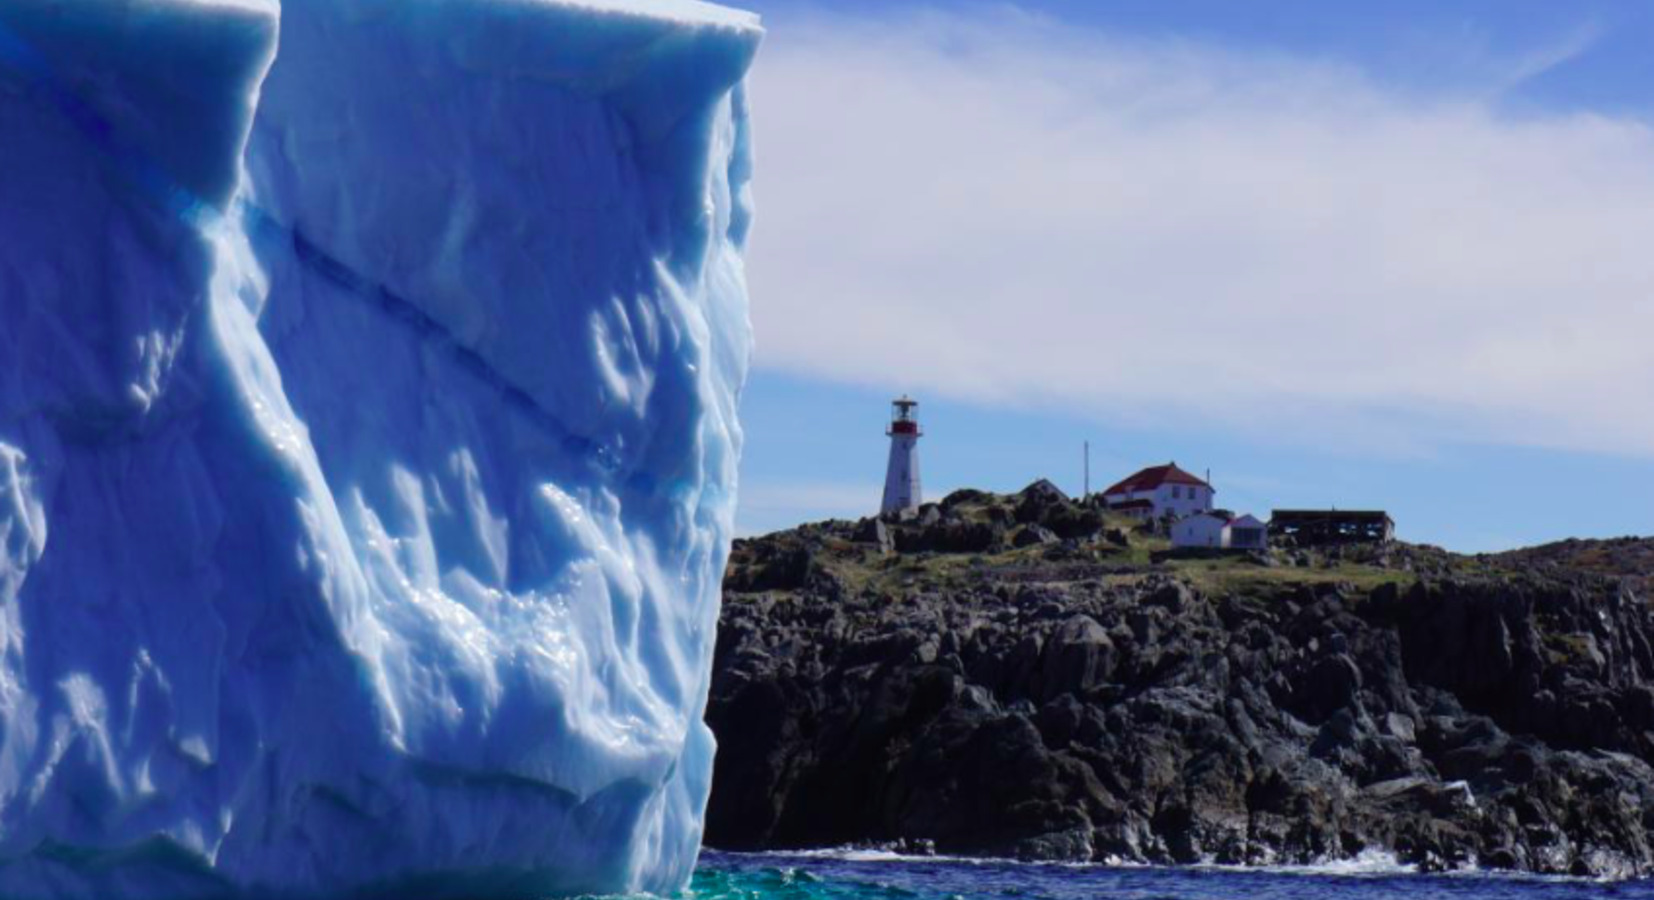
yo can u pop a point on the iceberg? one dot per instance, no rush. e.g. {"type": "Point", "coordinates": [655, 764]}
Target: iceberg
{"type": "Point", "coordinates": [368, 442]}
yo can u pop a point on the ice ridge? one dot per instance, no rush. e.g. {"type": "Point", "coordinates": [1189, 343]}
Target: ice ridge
{"type": "Point", "coordinates": [368, 378]}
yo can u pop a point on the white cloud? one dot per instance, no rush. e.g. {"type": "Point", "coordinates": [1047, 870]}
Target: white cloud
{"type": "Point", "coordinates": [988, 206]}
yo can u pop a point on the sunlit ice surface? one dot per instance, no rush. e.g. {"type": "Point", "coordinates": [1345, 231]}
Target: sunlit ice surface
{"type": "Point", "coordinates": [367, 442]}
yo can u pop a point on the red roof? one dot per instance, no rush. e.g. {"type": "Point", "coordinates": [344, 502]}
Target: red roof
{"type": "Point", "coordinates": [1152, 478]}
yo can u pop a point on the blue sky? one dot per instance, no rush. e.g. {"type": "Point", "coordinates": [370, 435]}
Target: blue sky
{"type": "Point", "coordinates": [1386, 255]}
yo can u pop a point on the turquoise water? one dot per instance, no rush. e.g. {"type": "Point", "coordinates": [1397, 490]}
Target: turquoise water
{"type": "Point", "coordinates": [870, 876]}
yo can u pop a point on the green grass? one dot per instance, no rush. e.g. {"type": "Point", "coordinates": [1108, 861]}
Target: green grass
{"type": "Point", "coordinates": [1235, 575]}
{"type": "Point", "coordinates": [862, 569]}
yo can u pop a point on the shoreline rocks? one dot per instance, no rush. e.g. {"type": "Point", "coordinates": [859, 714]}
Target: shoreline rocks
{"type": "Point", "coordinates": [1079, 700]}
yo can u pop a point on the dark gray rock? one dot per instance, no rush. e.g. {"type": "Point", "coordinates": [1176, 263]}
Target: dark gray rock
{"type": "Point", "coordinates": [1030, 535]}
{"type": "Point", "coordinates": [1052, 709]}
{"type": "Point", "coordinates": [875, 532]}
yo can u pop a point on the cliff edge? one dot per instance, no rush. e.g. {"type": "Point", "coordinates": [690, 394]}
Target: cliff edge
{"type": "Point", "coordinates": [1025, 676]}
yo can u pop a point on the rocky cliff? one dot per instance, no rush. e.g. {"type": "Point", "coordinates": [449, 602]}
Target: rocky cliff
{"type": "Point", "coordinates": [1023, 676]}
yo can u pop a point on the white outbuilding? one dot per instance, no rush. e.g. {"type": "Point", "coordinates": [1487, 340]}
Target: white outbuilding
{"type": "Point", "coordinates": [1200, 530]}
{"type": "Point", "coordinates": [1217, 531]}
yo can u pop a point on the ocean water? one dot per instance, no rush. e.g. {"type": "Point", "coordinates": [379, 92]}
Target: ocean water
{"type": "Point", "coordinates": [853, 875]}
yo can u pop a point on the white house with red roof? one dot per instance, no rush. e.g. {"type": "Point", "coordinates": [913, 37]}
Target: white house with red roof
{"type": "Point", "coordinates": [1160, 491]}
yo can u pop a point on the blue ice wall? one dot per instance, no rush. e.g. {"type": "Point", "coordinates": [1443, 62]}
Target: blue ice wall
{"type": "Point", "coordinates": [367, 442]}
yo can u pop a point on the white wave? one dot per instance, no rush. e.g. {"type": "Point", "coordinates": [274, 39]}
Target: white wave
{"type": "Point", "coordinates": [1370, 863]}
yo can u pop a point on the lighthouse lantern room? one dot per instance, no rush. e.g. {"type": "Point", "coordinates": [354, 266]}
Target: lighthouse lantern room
{"type": "Point", "coordinates": [901, 478]}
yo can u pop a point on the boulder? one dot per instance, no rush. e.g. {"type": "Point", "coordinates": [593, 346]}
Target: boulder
{"type": "Point", "coordinates": [1031, 535]}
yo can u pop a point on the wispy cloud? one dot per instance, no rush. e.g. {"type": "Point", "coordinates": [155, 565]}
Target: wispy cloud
{"type": "Point", "coordinates": [1567, 47]}
{"type": "Point", "coordinates": [990, 206]}
{"type": "Point", "coordinates": [1510, 73]}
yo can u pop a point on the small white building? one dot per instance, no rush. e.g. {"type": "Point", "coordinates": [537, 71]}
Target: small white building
{"type": "Point", "coordinates": [1160, 491]}
{"type": "Point", "coordinates": [1200, 530]}
{"type": "Point", "coordinates": [1219, 532]}
{"type": "Point", "coordinates": [1246, 532]}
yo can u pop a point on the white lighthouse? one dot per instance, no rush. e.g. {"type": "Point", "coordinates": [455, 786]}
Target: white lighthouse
{"type": "Point", "coordinates": [901, 478]}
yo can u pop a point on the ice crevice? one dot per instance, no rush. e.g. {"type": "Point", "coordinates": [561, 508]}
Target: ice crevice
{"type": "Point", "coordinates": [367, 442]}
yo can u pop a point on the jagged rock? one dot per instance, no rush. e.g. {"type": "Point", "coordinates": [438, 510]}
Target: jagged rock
{"type": "Point", "coordinates": [1078, 656]}
{"type": "Point", "coordinates": [1036, 501]}
{"type": "Point", "coordinates": [875, 532]}
{"type": "Point", "coordinates": [1329, 686]}
{"type": "Point", "coordinates": [775, 568]}
{"type": "Point", "coordinates": [1043, 491]}
{"type": "Point", "coordinates": [964, 496]}
{"type": "Point", "coordinates": [951, 536]}
{"type": "Point", "coordinates": [1063, 709]}
{"type": "Point", "coordinates": [1073, 523]}
{"type": "Point", "coordinates": [1029, 535]}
